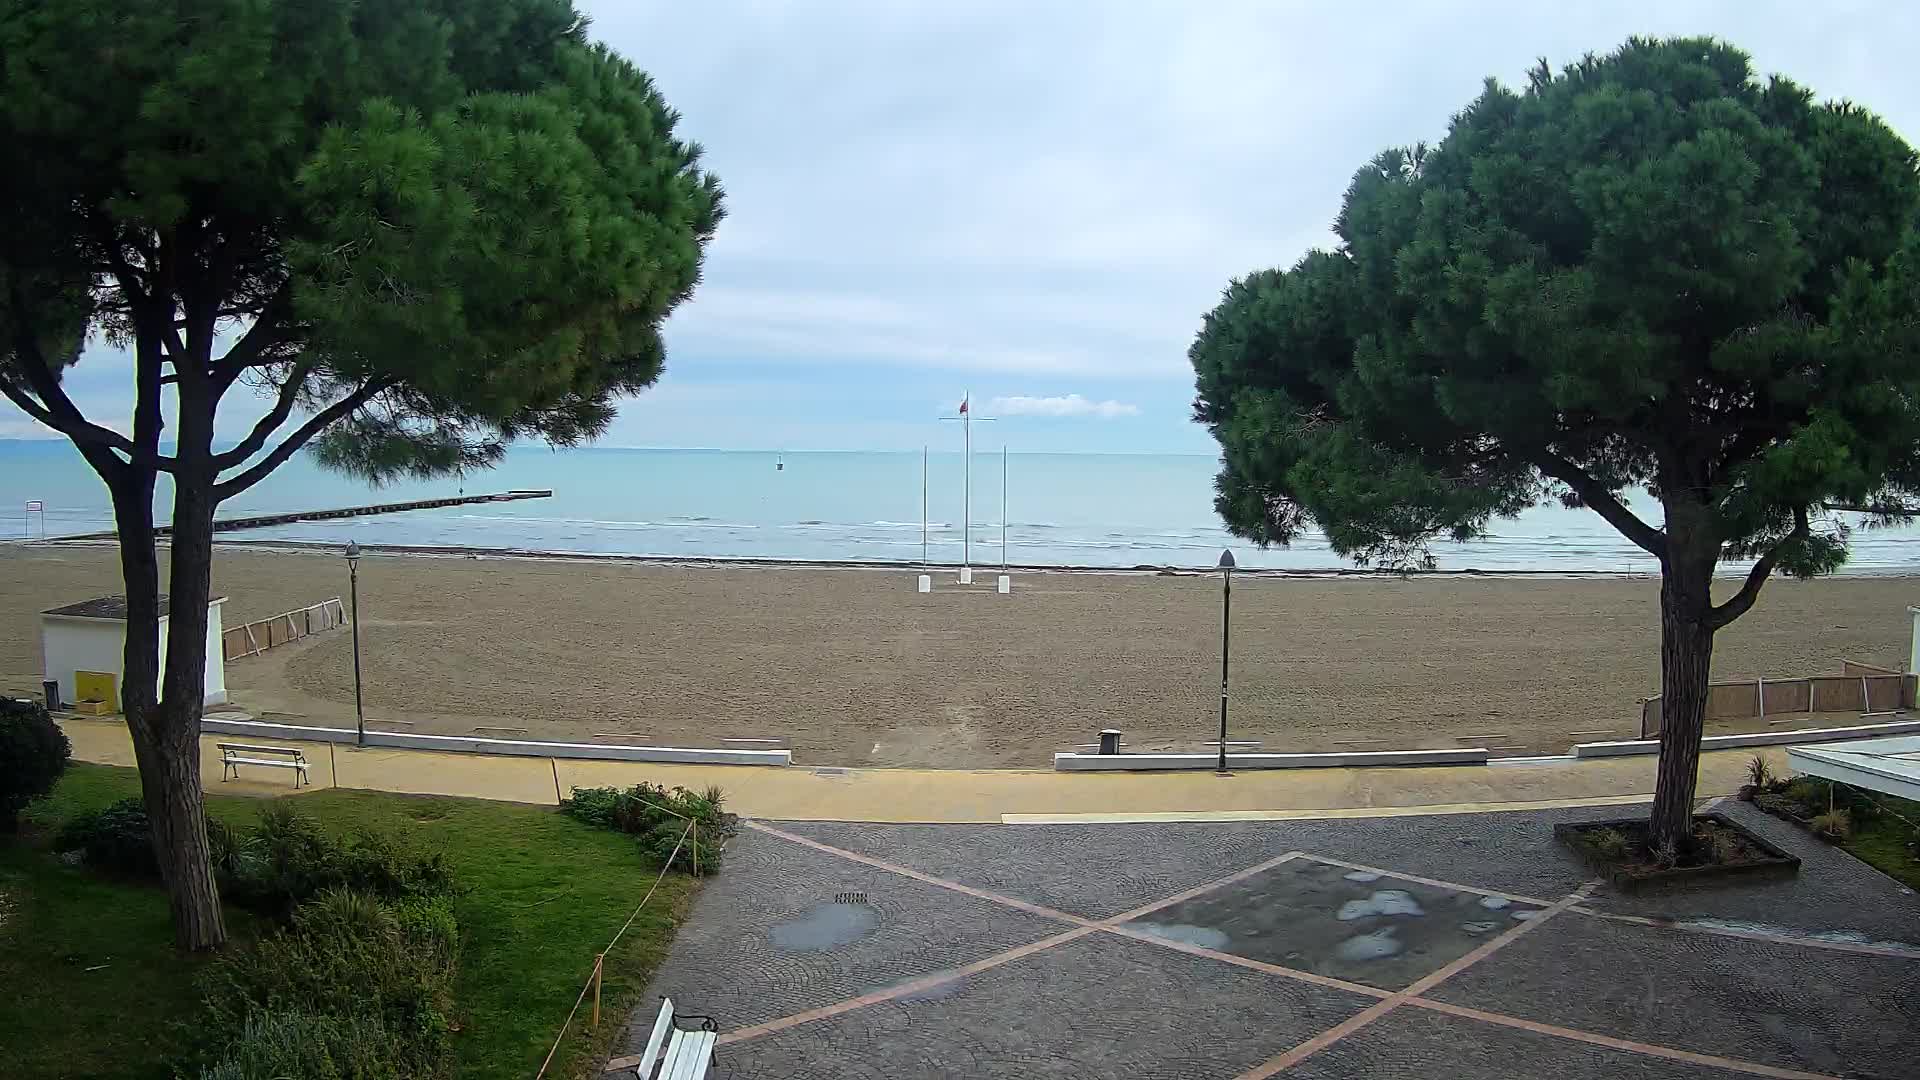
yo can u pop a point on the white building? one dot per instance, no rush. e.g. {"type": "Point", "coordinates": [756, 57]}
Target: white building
{"type": "Point", "coordinates": [90, 637]}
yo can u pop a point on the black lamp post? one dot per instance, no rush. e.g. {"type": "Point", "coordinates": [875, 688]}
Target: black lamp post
{"type": "Point", "coordinates": [1226, 630]}
{"type": "Point", "coordinates": [353, 586]}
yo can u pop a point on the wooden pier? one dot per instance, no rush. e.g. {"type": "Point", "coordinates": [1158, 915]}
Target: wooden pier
{"type": "Point", "coordinates": [261, 521]}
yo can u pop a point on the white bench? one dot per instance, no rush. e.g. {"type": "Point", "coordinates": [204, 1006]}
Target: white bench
{"type": "Point", "coordinates": [234, 755]}
{"type": "Point", "coordinates": [682, 1054]}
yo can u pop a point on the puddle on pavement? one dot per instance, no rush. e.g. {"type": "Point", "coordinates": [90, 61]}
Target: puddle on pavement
{"type": "Point", "coordinates": [1337, 922]}
{"type": "Point", "coordinates": [1375, 946]}
{"type": "Point", "coordinates": [1838, 937]}
{"type": "Point", "coordinates": [826, 926]}
{"type": "Point", "coordinates": [1383, 902]}
{"type": "Point", "coordinates": [1206, 937]}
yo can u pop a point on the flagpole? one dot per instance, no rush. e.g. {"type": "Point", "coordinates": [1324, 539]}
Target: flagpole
{"type": "Point", "coordinates": [966, 515]}
{"type": "Point", "coordinates": [1003, 508]}
{"type": "Point", "coordinates": [923, 507]}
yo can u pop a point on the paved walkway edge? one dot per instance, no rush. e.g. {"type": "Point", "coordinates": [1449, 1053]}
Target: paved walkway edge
{"type": "Point", "coordinates": [955, 795]}
{"type": "Point", "coordinates": [1417, 810]}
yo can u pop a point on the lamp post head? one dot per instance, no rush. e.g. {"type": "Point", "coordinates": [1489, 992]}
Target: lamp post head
{"type": "Point", "coordinates": [1226, 560]}
{"type": "Point", "coordinates": [353, 553]}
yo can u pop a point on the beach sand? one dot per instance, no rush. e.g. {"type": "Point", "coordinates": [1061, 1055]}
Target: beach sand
{"type": "Point", "coordinates": [855, 668]}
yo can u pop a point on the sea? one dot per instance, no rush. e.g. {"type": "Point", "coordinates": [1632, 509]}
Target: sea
{"type": "Point", "coordinates": [1111, 511]}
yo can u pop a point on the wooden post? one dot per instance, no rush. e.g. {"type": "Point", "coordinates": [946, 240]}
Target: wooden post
{"type": "Point", "coordinates": [693, 833]}
{"type": "Point", "coordinates": [599, 962]}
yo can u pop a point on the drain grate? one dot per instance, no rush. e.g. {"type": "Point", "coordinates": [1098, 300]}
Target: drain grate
{"type": "Point", "coordinates": [850, 898]}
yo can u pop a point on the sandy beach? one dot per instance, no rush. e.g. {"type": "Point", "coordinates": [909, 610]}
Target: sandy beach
{"type": "Point", "coordinates": [855, 668]}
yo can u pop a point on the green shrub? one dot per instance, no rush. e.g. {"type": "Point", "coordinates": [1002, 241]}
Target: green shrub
{"type": "Point", "coordinates": [117, 839]}
{"type": "Point", "coordinates": [1607, 843]}
{"type": "Point", "coordinates": [1811, 794]}
{"type": "Point", "coordinates": [275, 1045]}
{"type": "Point", "coordinates": [1835, 825]}
{"type": "Point", "coordinates": [33, 754]}
{"type": "Point", "coordinates": [659, 816]}
{"type": "Point", "coordinates": [287, 859]}
{"type": "Point", "coordinates": [355, 961]}
{"type": "Point", "coordinates": [1780, 805]}
{"type": "Point", "coordinates": [1759, 773]}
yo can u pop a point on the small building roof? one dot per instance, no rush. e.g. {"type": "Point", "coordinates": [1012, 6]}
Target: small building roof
{"type": "Point", "coordinates": [102, 607]}
{"type": "Point", "coordinates": [1890, 766]}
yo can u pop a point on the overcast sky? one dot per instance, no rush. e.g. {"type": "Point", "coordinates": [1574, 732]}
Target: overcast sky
{"type": "Point", "coordinates": [1037, 202]}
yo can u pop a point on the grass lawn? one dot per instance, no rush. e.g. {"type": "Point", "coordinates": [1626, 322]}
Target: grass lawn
{"type": "Point", "coordinates": [540, 894]}
{"type": "Point", "coordinates": [1881, 841]}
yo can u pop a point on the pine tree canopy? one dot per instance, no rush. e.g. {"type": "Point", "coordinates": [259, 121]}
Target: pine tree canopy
{"type": "Point", "coordinates": [421, 228]}
{"type": "Point", "coordinates": [1651, 269]}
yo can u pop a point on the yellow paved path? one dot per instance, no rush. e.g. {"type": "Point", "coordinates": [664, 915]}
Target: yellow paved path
{"type": "Point", "coordinates": [800, 793]}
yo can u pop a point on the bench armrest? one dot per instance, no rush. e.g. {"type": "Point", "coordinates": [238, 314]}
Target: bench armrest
{"type": "Point", "coordinates": [707, 1023]}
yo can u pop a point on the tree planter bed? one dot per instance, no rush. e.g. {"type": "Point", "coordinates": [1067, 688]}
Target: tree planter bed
{"type": "Point", "coordinates": [1634, 871]}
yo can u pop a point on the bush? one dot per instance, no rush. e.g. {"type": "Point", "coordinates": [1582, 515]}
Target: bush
{"type": "Point", "coordinates": [370, 979]}
{"type": "Point", "coordinates": [287, 859]}
{"type": "Point", "coordinates": [1759, 773]}
{"type": "Point", "coordinates": [1834, 825]}
{"type": "Point", "coordinates": [1607, 843]}
{"type": "Point", "coordinates": [659, 816]}
{"type": "Point", "coordinates": [1811, 794]}
{"type": "Point", "coordinates": [276, 1044]}
{"type": "Point", "coordinates": [117, 839]}
{"type": "Point", "coordinates": [1780, 806]}
{"type": "Point", "coordinates": [33, 754]}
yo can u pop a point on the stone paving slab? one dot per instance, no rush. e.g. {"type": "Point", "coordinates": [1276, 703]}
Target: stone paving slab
{"type": "Point", "coordinates": [1782, 1005]}
{"type": "Point", "coordinates": [767, 939]}
{"type": "Point", "coordinates": [1098, 870]}
{"type": "Point", "coordinates": [1349, 924]}
{"type": "Point", "coordinates": [1099, 1007]}
{"type": "Point", "coordinates": [1875, 907]}
{"type": "Point", "coordinates": [1417, 1044]}
{"type": "Point", "coordinates": [1094, 871]}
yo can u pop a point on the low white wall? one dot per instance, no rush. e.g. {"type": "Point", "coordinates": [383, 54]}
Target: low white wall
{"type": "Point", "coordinates": [1067, 762]}
{"type": "Point", "coordinates": [508, 747]}
{"type": "Point", "coordinates": [1762, 738]}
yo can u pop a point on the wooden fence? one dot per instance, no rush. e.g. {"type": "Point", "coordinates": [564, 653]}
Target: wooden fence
{"type": "Point", "coordinates": [1860, 688]}
{"type": "Point", "coordinates": [255, 638]}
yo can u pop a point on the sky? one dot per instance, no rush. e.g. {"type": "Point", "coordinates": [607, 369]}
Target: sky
{"type": "Point", "coordinates": [1035, 203]}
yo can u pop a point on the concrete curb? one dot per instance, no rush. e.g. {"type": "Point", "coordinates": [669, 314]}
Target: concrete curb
{"type": "Point", "coordinates": [1069, 762]}
{"type": "Point", "coordinates": [507, 747]}
{"type": "Point", "coordinates": [1764, 738]}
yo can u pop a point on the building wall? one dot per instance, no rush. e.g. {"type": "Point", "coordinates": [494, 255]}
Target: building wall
{"type": "Point", "coordinates": [68, 644]}
{"type": "Point", "coordinates": [216, 684]}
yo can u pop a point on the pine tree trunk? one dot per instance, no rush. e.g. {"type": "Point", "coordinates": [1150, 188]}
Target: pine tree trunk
{"type": "Point", "coordinates": [163, 709]}
{"type": "Point", "coordinates": [167, 746]}
{"type": "Point", "coordinates": [1686, 665]}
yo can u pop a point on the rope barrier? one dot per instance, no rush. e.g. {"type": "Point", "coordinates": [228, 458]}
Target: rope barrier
{"type": "Point", "coordinates": [593, 978]}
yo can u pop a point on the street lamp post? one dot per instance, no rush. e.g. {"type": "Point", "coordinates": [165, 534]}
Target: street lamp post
{"type": "Point", "coordinates": [353, 587]}
{"type": "Point", "coordinates": [1226, 630]}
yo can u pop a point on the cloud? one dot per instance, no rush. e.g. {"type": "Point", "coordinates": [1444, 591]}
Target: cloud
{"type": "Point", "coordinates": [1062, 405]}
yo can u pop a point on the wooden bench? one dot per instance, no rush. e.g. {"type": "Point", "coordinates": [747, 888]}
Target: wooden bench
{"type": "Point", "coordinates": [682, 1053]}
{"type": "Point", "coordinates": [234, 755]}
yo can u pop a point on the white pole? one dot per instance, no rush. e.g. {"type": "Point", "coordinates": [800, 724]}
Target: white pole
{"type": "Point", "coordinates": [966, 518]}
{"type": "Point", "coordinates": [1003, 508]}
{"type": "Point", "coordinates": [923, 507]}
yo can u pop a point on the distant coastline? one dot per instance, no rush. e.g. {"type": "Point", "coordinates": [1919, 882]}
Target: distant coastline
{"type": "Point", "coordinates": [1117, 513]}
{"type": "Point", "coordinates": [456, 551]}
